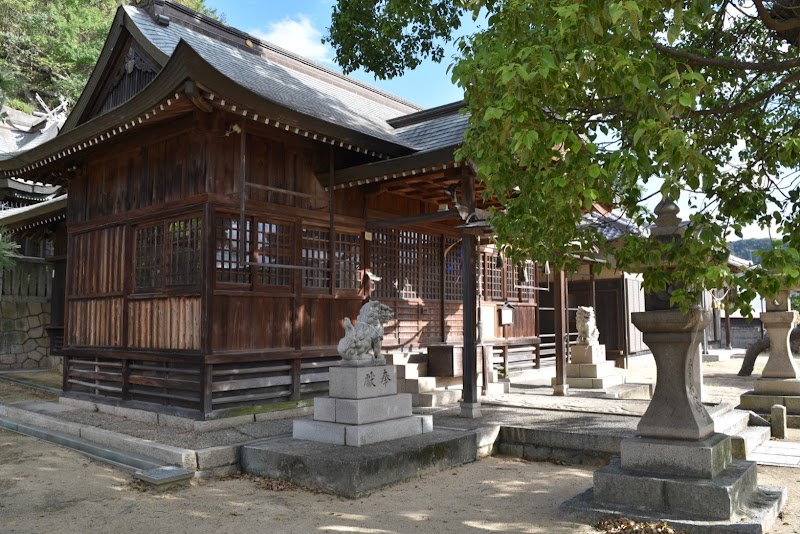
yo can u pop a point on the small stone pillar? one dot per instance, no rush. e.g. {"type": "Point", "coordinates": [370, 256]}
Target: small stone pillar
{"type": "Point", "coordinates": [779, 382]}
{"type": "Point", "coordinates": [780, 375]}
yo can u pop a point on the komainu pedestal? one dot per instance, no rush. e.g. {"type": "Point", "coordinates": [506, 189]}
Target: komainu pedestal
{"type": "Point", "coordinates": [677, 468]}
{"type": "Point", "coordinates": [363, 405]}
{"type": "Point", "coordinates": [588, 367]}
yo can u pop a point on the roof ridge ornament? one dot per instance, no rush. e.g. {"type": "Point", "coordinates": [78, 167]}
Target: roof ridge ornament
{"type": "Point", "coordinates": [156, 10]}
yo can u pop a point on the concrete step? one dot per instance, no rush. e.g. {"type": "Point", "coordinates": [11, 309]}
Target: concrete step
{"type": "Point", "coordinates": [432, 399]}
{"type": "Point", "coordinates": [402, 358]}
{"type": "Point", "coordinates": [731, 422]}
{"type": "Point", "coordinates": [630, 391]}
{"type": "Point", "coordinates": [744, 443]}
{"type": "Point", "coordinates": [594, 383]}
{"type": "Point", "coordinates": [425, 384]}
{"type": "Point", "coordinates": [412, 370]}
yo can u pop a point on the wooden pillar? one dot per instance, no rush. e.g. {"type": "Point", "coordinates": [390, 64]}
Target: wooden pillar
{"type": "Point", "coordinates": [470, 406]}
{"type": "Point", "coordinates": [728, 344]}
{"type": "Point", "coordinates": [560, 388]}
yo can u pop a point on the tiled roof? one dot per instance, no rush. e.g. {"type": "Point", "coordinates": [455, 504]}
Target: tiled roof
{"type": "Point", "coordinates": [613, 225]}
{"type": "Point", "coordinates": [435, 133]}
{"type": "Point", "coordinates": [290, 88]}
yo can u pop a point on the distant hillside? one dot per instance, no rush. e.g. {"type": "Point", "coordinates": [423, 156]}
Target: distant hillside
{"type": "Point", "coordinates": [746, 248]}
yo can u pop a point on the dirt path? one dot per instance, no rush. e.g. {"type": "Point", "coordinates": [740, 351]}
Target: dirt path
{"type": "Point", "coordinates": [44, 488]}
{"type": "Point", "coordinates": [47, 489]}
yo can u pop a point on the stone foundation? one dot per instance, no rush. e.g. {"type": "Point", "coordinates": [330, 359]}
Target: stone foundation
{"type": "Point", "coordinates": [24, 343]}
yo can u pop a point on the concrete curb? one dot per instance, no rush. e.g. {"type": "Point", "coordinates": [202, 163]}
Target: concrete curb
{"type": "Point", "coordinates": [213, 461]}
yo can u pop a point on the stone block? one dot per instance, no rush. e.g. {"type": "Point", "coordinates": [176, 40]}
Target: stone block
{"type": "Point", "coordinates": [614, 486]}
{"type": "Point", "coordinates": [702, 459]}
{"type": "Point", "coordinates": [719, 498]}
{"type": "Point", "coordinates": [325, 409]}
{"type": "Point", "coordinates": [397, 358]}
{"type": "Point", "coordinates": [172, 455]}
{"type": "Point", "coordinates": [423, 384]}
{"type": "Point", "coordinates": [777, 386]}
{"type": "Point", "coordinates": [217, 456]}
{"type": "Point", "coordinates": [319, 431]}
{"type": "Point", "coordinates": [427, 426]}
{"type": "Point", "coordinates": [363, 382]}
{"type": "Point", "coordinates": [591, 370]}
{"type": "Point", "coordinates": [34, 321]}
{"type": "Point", "coordinates": [357, 436]}
{"type": "Point", "coordinates": [35, 308]}
{"type": "Point", "coordinates": [411, 370]}
{"type": "Point", "coordinates": [372, 410]}
{"type": "Point", "coordinates": [761, 403]}
{"type": "Point", "coordinates": [778, 421]}
{"type": "Point", "coordinates": [30, 345]}
{"type": "Point", "coordinates": [38, 420]}
{"type": "Point", "coordinates": [587, 353]}
{"type": "Point", "coordinates": [165, 478]}
{"type": "Point", "coordinates": [792, 404]}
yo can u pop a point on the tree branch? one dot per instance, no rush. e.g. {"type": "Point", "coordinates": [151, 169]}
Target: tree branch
{"type": "Point", "coordinates": [775, 24]}
{"type": "Point", "coordinates": [751, 103]}
{"type": "Point", "coordinates": [696, 59]}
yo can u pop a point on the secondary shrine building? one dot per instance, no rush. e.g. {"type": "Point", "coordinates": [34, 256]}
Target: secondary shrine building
{"type": "Point", "coordinates": [230, 202]}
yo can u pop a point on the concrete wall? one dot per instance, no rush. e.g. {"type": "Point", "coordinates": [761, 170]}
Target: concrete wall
{"type": "Point", "coordinates": [25, 315]}
{"type": "Point", "coordinates": [743, 333]}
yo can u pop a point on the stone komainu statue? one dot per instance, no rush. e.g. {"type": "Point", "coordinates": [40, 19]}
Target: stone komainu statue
{"type": "Point", "coordinates": [365, 336]}
{"type": "Point", "coordinates": [587, 326]}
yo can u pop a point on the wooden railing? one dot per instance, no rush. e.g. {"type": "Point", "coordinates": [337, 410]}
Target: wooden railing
{"type": "Point", "coordinates": [29, 277]}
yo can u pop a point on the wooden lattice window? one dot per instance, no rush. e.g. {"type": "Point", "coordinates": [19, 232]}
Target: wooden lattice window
{"type": "Point", "coordinates": [348, 261]}
{"type": "Point", "coordinates": [384, 263]}
{"type": "Point", "coordinates": [230, 266]}
{"type": "Point", "coordinates": [512, 281]}
{"type": "Point", "coordinates": [408, 264]}
{"type": "Point", "coordinates": [168, 254]}
{"type": "Point", "coordinates": [527, 280]}
{"type": "Point", "coordinates": [183, 252]}
{"type": "Point", "coordinates": [273, 253]}
{"type": "Point", "coordinates": [453, 268]}
{"type": "Point", "coordinates": [493, 274]}
{"type": "Point", "coordinates": [316, 272]}
{"type": "Point", "coordinates": [149, 257]}
{"type": "Point", "coordinates": [431, 266]}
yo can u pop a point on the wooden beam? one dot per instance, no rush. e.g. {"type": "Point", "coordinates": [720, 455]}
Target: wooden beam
{"type": "Point", "coordinates": [413, 219]}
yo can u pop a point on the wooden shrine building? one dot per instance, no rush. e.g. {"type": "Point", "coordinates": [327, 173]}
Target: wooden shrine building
{"type": "Point", "coordinates": [230, 202]}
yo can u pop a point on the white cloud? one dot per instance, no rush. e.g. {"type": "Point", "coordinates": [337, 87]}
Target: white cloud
{"type": "Point", "coordinates": [296, 34]}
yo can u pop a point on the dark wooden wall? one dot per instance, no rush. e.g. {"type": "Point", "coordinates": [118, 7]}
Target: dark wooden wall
{"type": "Point", "coordinates": [177, 297]}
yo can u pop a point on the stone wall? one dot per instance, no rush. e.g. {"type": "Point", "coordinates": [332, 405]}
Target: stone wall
{"type": "Point", "coordinates": [743, 332]}
{"type": "Point", "coordinates": [25, 316]}
{"type": "Point", "coordinates": [24, 343]}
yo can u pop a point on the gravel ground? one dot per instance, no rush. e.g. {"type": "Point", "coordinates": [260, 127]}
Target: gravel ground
{"type": "Point", "coordinates": [44, 488]}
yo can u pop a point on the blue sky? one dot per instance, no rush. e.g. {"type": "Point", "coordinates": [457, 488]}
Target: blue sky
{"type": "Point", "coordinates": [299, 26]}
